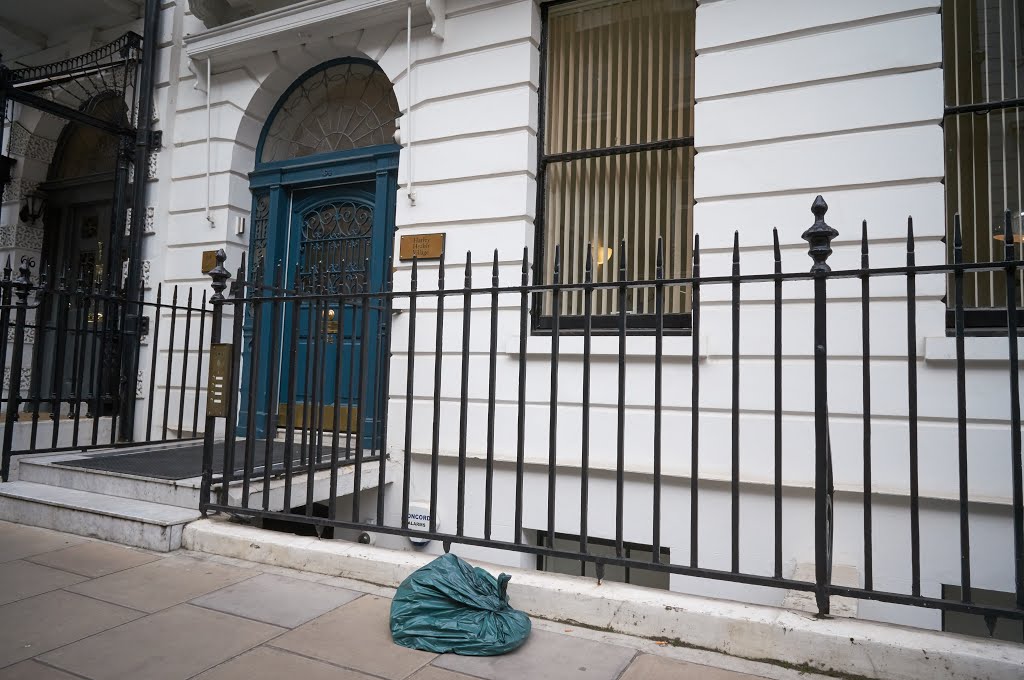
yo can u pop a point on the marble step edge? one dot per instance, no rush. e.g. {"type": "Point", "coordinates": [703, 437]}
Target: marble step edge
{"type": "Point", "coordinates": [183, 493]}
{"type": "Point", "coordinates": [129, 509]}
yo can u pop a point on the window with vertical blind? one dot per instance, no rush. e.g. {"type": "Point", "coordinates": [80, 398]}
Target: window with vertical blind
{"type": "Point", "coordinates": [616, 152]}
{"type": "Point", "coordinates": [983, 61]}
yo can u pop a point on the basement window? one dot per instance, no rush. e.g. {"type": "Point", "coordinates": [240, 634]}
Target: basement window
{"type": "Point", "coordinates": [974, 624]}
{"type": "Point", "coordinates": [604, 548]}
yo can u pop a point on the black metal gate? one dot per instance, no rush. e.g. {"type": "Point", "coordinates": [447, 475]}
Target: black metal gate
{"type": "Point", "coordinates": [72, 399]}
{"type": "Point", "coordinates": [121, 71]}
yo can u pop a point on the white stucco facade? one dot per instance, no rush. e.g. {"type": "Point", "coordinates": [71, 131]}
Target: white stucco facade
{"type": "Point", "coordinates": [794, 98]}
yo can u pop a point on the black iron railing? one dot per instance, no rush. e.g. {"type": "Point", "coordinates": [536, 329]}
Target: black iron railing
{"type": "Point", "coordinates": [62, 341]}
{"type": "Point", "coordinates": [312, 364]}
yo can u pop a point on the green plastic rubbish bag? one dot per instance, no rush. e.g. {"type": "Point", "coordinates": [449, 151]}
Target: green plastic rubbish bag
{"type": "Point", "coordinates": [451, 606]}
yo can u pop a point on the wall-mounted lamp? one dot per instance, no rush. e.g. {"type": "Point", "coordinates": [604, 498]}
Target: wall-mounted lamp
{"type": "Point", "coordinates": [999, 230]}
{"type": "Point", "coordinates": [602, 254]}
{"type": "Point", "coordinates": [32, 206]}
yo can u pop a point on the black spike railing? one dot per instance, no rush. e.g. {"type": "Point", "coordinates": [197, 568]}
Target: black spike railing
{"type": "Point", "coordinates": [61, 345]}
{"type": "Point", "coordinates": [466, 469]}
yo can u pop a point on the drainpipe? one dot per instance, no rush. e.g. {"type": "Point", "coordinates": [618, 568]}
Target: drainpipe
{"type": "Point", "coordinates": [408, 101]}
{"type": "Point", "coordinates": [209, 68]}
{"type": "Point", "coordinates": [143, 147]}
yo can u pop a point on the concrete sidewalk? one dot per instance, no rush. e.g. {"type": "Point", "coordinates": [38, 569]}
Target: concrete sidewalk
{"type": "Point", "coordinates": [71, 608]}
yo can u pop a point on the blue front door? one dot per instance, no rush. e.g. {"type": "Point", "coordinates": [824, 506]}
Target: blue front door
{"type": "Point", "coordinates": [337, 247]}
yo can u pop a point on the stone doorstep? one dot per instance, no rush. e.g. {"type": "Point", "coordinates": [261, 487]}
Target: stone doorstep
{"type": "Point", "coordinates": [757, 632]}
{"type": "Point", "coordinates": [183, 493]}
{"type": "Point", "coordinates": [131, 522]}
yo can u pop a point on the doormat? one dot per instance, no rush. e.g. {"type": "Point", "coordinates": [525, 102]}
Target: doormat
{"type": "Point", "coordinates": [183, 462]}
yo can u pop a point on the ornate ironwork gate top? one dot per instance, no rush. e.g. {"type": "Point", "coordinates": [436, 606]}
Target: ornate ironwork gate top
{"type": "Point", "coordinates": [65, 88]}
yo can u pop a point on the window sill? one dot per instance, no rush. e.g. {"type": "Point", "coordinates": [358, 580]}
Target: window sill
{"type": "Point", "coordinates": [675, 348]}
{"type": "Point", "coordinates": [976, 350]}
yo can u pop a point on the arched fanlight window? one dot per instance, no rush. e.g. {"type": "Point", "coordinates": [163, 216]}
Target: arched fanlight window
{"type": "Point", "coordinates": [83, 150]}
{"type": "Point", "coordinates": [337, 106]}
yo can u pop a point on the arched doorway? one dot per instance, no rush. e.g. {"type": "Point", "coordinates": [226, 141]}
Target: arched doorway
{"type": "Point", "coordinates": [82, 248]}
{"type": "Point", "coordinates": [324, 192]}
{"type": "Point", "coordinates": [79, 235]}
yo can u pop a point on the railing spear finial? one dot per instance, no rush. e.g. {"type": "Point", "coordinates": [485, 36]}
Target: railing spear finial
{"type": "Point", "coordinates": [819, 237]}
{"type": "Point", "coordinates": [220, 276]}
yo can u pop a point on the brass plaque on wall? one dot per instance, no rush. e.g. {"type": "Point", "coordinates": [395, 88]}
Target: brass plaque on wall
{"type": "Point", "coordinates": [209, 260]}
{"type": "Point", "coordinates": [218, 380]}
{"type": "Point", "coordinates": [421, 246]}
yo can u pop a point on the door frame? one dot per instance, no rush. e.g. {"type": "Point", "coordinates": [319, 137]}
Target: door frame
{"type": "Point", "coordinates": [280, 180]}
{"type": "Point", "coordinates": [65, 199]}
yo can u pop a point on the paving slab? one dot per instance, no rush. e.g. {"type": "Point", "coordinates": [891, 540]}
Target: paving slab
{"type": "Point", "coordinates": [162, 584]}
{"type": "Point", "coordinates": [170, 645]}
{"type": "Point", "coordinates": [20, 579]}
{"type": "Point", "coordinates": [358, 636]}
{"type": "Point", "coordinates": [277, 600]}
{"type": "Point", "coordinates": [33, 670]}
{"type": "Point", "coordinates": [435, 673]}
{"type": "Point", "coordinates": [18, 541]}
{"type": "Point", "coordinates": [546, 656]}
{"type": "Point", "coordinates": [38, 624]}
{"type": "Point", "coordinates": [266, 663]}
{"type": "Point", "coordinates": [94, 559]}
{"type": "Point", "coordinates": [649, 667]}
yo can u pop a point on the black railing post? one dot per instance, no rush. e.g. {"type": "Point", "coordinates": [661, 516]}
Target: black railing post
{"type": "Point", "coordinates": [219, 281]}
{"type": "Point", "coordinates": [819, 238]}
{"type": "Point", "coordinates": [22, 285]}
{"type": "Point", "coordinates": [1016, 467]}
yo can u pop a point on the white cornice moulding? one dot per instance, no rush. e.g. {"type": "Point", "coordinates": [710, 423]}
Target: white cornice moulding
{"type": "Point", "coordinates": [307, 21]}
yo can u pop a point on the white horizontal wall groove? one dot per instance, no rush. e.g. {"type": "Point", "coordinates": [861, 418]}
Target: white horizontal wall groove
{"type": "Point", "coordinates": [479, 134]}
{"type": "Point", "coordinates": [471, 93]}
{"type": "Point", "coordinates": [681, 476]}
{"type": "Point", "coordinates": [469, 178]}
{"type": "Point", "coordinates": [215, 140]}
{"type": "Point", "coordinates": [796, 416]}
{"type": "Point", "coordinates": [796, 191]}
{"type": "Point", "coordinates": [422, 103]}
{"type": "Point", "coordinates": [216, 104]}
{"type": "Point", "coordinates": [213, 174]}
{"type": "Point", "coordinates": [817, 135]}
{"type": "Point", "coordinates": [202, 209]}
{"type": "Point", "coordinates": [423, 61]}
{"type": "Point", "coordinates": [822, 81]}
{"type": "Point", "coordinates": [430, 225]}
{"type": "Point", "coordinates": [817, 30]}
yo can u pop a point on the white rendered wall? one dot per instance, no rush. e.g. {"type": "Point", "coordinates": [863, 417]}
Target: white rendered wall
{"type": "Point", "coordinates": [795, 98]}
{"type": "Point", "coordinates": [843, 99]}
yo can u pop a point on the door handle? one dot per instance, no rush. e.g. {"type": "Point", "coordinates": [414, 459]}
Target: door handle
{"type": "Point", "coordinates": [331, 324]}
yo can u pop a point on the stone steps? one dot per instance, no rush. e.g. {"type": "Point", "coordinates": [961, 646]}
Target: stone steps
{"type": "Point", "coordinates": [143, 524]}
{"type": "Point", "coordinates": [141, 511]}
{"type": "Point", "coordinates": [181, 493]}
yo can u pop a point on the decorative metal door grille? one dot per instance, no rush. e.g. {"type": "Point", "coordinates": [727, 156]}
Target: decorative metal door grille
{"type": "Point", "coordinates": [334, 248]}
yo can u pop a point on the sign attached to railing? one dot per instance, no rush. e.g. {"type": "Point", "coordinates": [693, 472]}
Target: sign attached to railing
{"type": "Point", "coordinates": [218, 380]}
{"type": "Point", "coordinates": [421, 246]}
